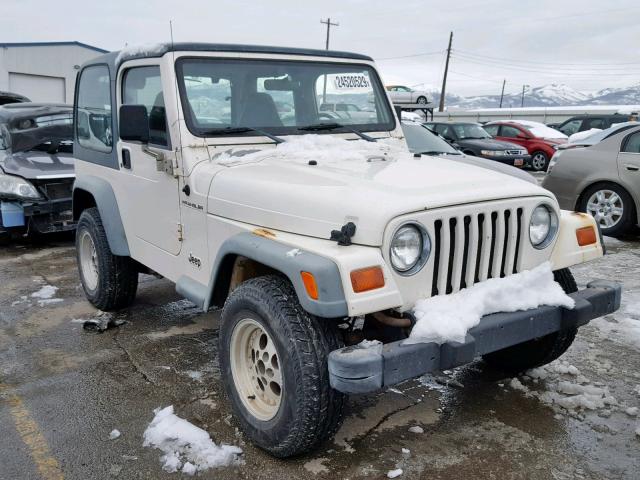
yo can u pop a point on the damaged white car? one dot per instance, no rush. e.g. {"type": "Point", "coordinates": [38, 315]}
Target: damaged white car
{"type": "Point", "coordinates": [320, 239]}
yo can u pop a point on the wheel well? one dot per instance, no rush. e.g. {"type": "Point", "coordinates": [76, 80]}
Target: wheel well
{"type": "Point", "coordinates": [233, 270]}
{"type": "Point", "coordinates": [81, 201]}
{"type": "Point", "coordinates": [603, 183]}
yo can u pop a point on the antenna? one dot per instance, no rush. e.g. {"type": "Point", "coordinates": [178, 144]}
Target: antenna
{"type": "Point", "coordinates": [173, 55]}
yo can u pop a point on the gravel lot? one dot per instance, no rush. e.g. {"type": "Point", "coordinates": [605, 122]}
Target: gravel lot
{"type": "Point", "coordinates": [64, 389]}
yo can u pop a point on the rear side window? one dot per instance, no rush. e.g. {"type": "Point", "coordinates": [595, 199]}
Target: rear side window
{"type": "Point", "coordinates": [632, 143]}
{"type": "Point", "coordinates": [93, 122]}
{"type": "Point", "coordinates": [508, 131]}
{"type": "Point", "coordinates": [142, 86]}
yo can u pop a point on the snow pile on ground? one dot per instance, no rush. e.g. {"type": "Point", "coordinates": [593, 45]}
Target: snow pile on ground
{"type": "Point", "coordinates": [45, 295]}
{"type": "Point", "coordinates": [115, 433]}
{"type": "Point", "coordinates": [186, 447]}
{"type": "Point", "coordinates": [566, 388]}
{"type": "Point", "coordinates": [394, 473]}
{"type": "Point", "coordinates": [324, 149]}
{"type": "Point", "coordinates": [447, 318]}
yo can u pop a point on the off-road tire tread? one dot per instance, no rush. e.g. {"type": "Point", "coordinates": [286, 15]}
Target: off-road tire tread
{"type": "Point", "coordinates": [319, 413]}
{"type": "Point", "coordinates": [542, 351]}
{"type": "Point", "coordinates": [118, 275]}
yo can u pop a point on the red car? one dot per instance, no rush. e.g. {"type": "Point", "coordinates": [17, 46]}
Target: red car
{"type": "Point", "coordinates": [537, 138]}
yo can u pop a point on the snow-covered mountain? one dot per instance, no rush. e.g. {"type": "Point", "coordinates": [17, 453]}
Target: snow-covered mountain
{"type": "Point", "coordinates": [552, 95]}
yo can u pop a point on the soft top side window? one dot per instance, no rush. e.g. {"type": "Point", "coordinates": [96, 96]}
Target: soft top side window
{"type": "Point", "coordinates": [93, 124]}
{"type": "Point", "coordinates": [632, 143]}
{"type": "Point", "coordinates": [143, 86]}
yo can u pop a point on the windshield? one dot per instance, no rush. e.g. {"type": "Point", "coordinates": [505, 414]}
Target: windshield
{"type": "Point", "coordinates": [470, 130]}
{"type": "Point", "coordinates": [280, 97]}
{"type": "Point", "coordinates": [421, 140]}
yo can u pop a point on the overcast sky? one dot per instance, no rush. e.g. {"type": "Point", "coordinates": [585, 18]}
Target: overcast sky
{"type": "Point", "coordinates": [586, 44]}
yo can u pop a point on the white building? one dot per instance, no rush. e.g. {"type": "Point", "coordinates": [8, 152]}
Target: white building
{"type": "Point", "coordinates": [43, 71]}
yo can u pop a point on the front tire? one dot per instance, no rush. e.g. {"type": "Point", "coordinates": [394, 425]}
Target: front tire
{"type": "Point", "coordinates": [540, 351]}
{"type": "Point", "coordinates": [421, 100]}
{"type": "Point", "coordinates": [273, 358]}
{"type": "Point", "coordinates": [539, 161]}
{"type": "Point", "coordinates": [109, 281]}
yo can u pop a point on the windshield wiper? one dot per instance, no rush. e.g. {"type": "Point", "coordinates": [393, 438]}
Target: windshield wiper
{"type": "Point", "coordinates": [436, 152]}
{"type": "Point", "coordinates": [232, 130]}
{"type": "Point", "coordinates": [335, 125]}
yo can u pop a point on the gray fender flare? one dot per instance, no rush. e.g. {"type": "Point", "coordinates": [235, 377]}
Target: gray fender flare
{"type": "Point", "coordinates": [107, 204]}
{"type": "Point", "coordinates": [331, 301]}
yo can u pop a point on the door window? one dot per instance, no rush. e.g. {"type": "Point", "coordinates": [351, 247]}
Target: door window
{"type": "Point", "coordinates": [632, 143]}
{"type": "Point", "coordinates": [509, 131]}
{"type": "Point", "coordinates": [142, 86]}
{"type": "Point", "coordinates": [594, 123]}
{"type": "Point", "coordinates": [93, 123]}
{"type": "Point", "coordinates": [492, 129]}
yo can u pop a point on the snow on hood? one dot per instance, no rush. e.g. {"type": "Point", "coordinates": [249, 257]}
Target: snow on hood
{"type": "Point", "coordinates": [313, 184]}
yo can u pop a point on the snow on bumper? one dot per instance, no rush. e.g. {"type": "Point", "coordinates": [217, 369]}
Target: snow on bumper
{"type": "Point", "coordinates": [366, 370]}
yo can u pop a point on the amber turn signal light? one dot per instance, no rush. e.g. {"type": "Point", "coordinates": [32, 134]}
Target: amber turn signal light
{"type": "Point", "coordinates": [366, 279]}
{"type": "Point", "coordinates": [310, 284]}
{"type": "Point", "coordinates": [586, 236]}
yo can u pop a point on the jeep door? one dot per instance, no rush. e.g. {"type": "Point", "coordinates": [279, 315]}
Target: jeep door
{"type": "Point", "coordinates": [152, 194]}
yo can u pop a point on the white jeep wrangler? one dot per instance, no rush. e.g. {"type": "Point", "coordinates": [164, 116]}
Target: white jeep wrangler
{"type": "Point", "coordinates": [214, 166]}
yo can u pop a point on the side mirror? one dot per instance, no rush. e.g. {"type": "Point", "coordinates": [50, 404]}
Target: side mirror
{"type": "Point", "coordinates": [134, 123]}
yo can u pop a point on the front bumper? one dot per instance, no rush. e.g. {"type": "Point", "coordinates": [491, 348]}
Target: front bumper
{"type": "Point", "coordinates": [357, 370]}
{"type": "Point", "coordinates": [42, 216]}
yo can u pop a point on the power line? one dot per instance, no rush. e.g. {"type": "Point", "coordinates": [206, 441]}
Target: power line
{"type": "Point", "coordinates": [510, 60]}
{"type": "Point", "coordinates": [410, 56]}
{"type": "Point", "coordinates": [551, 72]}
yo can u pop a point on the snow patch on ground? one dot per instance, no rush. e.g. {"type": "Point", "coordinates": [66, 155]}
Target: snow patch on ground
{"type": "Point", "coordinates": [394, 473]}
{"type": "Point", "coordinates": [447, 318]}
{"type": "Point", "coordinates": [416, 429]}
{"type": "Point", "coordinates": [186, 447]}
{"type": "Point", "coordinates": [565, 388]}
{"type": "Point", "coordinates": [115, 433]}
{"type": "Point", "coordinates": [45, 295]}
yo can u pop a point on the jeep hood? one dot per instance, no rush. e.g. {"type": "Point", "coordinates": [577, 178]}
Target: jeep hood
{"type": "Point", "coordinates": [311, 191]}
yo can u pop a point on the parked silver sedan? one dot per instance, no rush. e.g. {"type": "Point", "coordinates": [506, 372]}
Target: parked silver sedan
{"type": "Point", "coordinates": [402, 94]}
{"type": "Point", "coordinates": [600, 175]}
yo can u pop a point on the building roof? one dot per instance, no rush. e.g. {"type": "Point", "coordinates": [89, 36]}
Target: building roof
{"type": "Point", "coordinates": [53, 44]}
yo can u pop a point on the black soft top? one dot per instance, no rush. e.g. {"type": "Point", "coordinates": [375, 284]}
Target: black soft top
{"type": "Point", "coordinates": [155, 51]}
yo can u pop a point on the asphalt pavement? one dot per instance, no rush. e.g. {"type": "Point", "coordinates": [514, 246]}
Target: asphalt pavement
{"type": "Point", "coordinates": [63, 389]}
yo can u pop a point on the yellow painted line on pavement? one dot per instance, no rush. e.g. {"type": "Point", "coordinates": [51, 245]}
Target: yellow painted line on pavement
{"type": "Point", "coordinates": [47, 465]}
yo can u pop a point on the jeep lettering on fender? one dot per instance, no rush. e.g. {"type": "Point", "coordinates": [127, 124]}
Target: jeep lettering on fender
{"type": "Point", "coordinates": [275, 183]}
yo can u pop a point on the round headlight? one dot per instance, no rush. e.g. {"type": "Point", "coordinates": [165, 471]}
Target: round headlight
{"type": "Point", "coordinates": [542, 226]}
{"type": "Point", "coordinates": [410, 248]}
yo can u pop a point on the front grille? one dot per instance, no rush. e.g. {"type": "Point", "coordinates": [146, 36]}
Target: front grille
{"type": "Point", "coordinates": [57, 189]}
{"type": "Point", "coordinates": [472, 248]}
{"type": "Point", "coordinates": [515, 152]}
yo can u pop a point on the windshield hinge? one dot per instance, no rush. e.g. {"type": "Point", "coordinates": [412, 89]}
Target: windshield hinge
{"type": "Point", "coordinates": [164, 163]}
{"type": "Point", "coordinates": [180, 237]}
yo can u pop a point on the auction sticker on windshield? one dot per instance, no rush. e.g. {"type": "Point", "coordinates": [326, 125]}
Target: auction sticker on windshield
{"type": "Point", "coordinates": [351, 81]}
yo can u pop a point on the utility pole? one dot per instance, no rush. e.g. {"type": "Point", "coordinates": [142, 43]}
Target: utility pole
{"type": "Point", "coordinates": [444, 78]}
{"type": "Point", "coordinates": [328, 23]}
{"type": "Point", "coordinates": [522, 101]}
{"type": "Point", "coordinates": [502, 94]}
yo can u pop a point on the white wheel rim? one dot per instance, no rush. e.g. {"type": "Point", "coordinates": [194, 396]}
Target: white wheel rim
{"type": "Point", "coordinates": [538, 161]}
{"type": "Point", "coordinates": [256, 370]}
{"type": "Point", "coordinates": [607, 208]}
{"type": "Point", "coordinates": [88, 260]}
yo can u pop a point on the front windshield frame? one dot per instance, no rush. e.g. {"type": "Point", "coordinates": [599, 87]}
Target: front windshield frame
{"type": "Point", "coordinates": [381, 100]}
{"type": "Point", "coordinates": [464, 126]}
